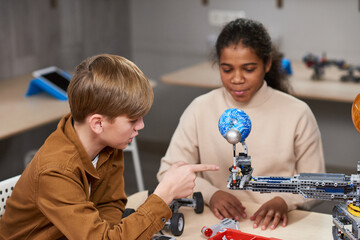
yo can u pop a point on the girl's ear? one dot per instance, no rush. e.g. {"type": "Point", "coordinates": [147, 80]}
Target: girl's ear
{"type": "Point", "coordinates": [268, 64]}
{"type": "Point", "coordinates": [96, 123]}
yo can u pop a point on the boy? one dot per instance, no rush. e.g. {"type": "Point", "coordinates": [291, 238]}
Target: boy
{"type": "Point", "coordinates": [74, 185]}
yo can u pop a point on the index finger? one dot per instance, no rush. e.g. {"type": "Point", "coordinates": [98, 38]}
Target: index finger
{"type": "Point", "coordinates": [203, 167]}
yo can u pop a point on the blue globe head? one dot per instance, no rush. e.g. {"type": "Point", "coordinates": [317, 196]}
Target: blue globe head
{"type": "Point", "coordinates": [235, 119]}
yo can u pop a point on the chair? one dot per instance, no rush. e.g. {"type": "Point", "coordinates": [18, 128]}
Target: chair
{"type": "Point", "coordinates": [6, 188]}
{"type": "Point", "coordinates": [132, 147]}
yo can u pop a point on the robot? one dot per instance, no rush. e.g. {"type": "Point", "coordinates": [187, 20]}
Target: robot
{"type": "Point", "coordinates": [235, 126]}
{"type": "Point", "coordinates": [319, 64]}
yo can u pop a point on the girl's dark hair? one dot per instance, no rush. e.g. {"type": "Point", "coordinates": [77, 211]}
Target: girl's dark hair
{"type": "Point", "coordinates": [252, 34]}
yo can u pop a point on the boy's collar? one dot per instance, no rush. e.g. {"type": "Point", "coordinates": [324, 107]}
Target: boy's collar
{"type": "Point", "coordinates": [70, 133]}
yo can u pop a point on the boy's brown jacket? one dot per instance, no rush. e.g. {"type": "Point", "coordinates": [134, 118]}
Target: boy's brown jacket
{"type": "Point", "coordinates": [52, 199]}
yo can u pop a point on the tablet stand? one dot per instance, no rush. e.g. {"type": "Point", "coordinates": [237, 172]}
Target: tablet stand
{"type": "Point", "coordinates": [38, 85]}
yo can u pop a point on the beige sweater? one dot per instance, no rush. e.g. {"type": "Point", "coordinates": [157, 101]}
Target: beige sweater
{"type": "Point", "coordinates": [284, 141]}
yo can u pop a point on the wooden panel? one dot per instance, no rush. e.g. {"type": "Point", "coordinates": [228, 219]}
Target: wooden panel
{"type": "Point", "coordinates": [72, 35]}
{"type": "Point", "coordinates": [23, 13]}
{"type": "Point", "coordinates": [38, 33]}
{"type": "Point", "coordinates": [23, 33]}
{"type": "Point", "coordinates": [109, 30]}
{"type": "Point", "coordinates": [6, 59]}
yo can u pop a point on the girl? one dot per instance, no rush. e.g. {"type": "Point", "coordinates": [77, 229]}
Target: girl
{"type": "Point", "coordinates": [284, 139]}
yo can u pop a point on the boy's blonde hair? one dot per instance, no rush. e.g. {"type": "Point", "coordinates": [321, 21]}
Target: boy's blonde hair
{"type": "Point", "coordinates": [109, 85]}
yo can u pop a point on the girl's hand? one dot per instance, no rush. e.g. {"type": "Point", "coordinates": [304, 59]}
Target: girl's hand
{"type": "Point", "coordinates": [274, 211]}
{"type": "Point", "coordinates": [225, 205]}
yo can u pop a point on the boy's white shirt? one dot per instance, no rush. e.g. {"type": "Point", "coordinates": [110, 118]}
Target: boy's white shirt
{"type": "Point", "coordinates": [94, 162]}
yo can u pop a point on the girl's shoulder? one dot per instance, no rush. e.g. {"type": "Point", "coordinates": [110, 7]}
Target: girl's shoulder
{"type": "Point", "coordinates": [286, 100]}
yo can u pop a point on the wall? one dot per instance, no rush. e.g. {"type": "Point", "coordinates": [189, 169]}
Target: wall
{"type": "Point", "coordinates": [168, 35]}
{"type": "Point", "coordinates": [38, 33]}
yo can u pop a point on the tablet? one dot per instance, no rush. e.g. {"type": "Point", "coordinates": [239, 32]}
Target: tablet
{"type": "Point", "coordinates": [53, 80]}
{"type": "Point", "coordinates": [54, 76]}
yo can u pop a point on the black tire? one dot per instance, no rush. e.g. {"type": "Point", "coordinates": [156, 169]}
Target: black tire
{"type": "Point", "coordinates": [177, 223]}
{"type": "Point", "coordinates": [199, 202]}
{"type": "Point", "coordinates": [127, 212]}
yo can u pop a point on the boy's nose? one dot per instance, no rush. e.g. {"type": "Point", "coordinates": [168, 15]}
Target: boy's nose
{"type": "Point", "coordinates": [140, 124]}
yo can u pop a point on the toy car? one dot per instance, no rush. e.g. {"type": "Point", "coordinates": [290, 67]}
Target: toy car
{"type": "Point", "coordinates": [177, 222]}
{"type": "Point", "coordinates": [162, 237]}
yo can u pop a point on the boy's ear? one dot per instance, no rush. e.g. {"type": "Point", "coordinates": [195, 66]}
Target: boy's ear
{"type": "Point", "coordinates": [96, 123]}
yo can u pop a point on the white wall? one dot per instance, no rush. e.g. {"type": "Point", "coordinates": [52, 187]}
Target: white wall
{"type": "Point", "coordinates": [168, 35]}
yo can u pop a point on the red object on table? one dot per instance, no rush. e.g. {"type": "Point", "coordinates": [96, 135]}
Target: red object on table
{"type": "Point", "coordinates": [232, 234]}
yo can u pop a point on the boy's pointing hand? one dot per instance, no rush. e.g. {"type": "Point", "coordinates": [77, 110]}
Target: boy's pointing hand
{"type": "Point", "coordinates": [179, 180]}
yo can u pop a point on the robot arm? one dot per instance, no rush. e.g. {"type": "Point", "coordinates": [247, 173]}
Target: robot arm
{"type": "Point", "coordinates": [235, 126]}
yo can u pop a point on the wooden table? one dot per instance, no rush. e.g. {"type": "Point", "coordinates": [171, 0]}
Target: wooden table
{"type": "Point", "coordinates": [302, 224]}
{"type": "Point", "coordinates": [331, 88]}
{"type": "Point", "coordinates": [20, 113]}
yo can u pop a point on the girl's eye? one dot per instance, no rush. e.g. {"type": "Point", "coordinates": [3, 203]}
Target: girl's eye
{"type": "Point", "coordinates": [249, 69]}
{"type": "Point", "coordinates": [226, 70]}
